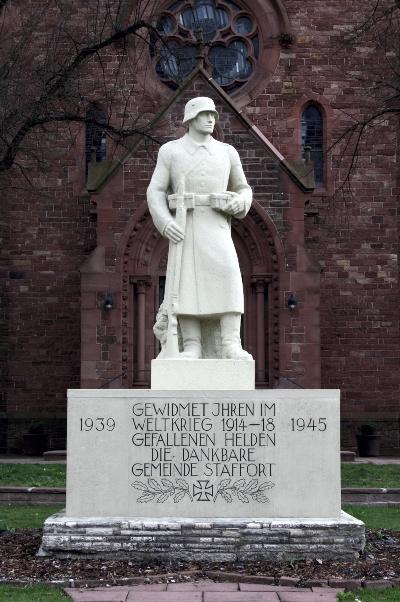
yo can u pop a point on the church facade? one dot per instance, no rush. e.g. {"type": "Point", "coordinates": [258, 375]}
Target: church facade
{"type": "Point", "coordinates": [84, 268]}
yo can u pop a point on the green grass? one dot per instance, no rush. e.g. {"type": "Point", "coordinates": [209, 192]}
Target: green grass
{"type": "Point", "coordinates": [25, 517]}
{"type": "Point", "coordinates": [32, 593]}
{"type": "Point", "coordinates": [32, 475]}
{"type": "Point", "coordinates": [389, 594]}
{"type": "Point", "coordinates": [370, 475]}
{"type": "Point", "coordinates": [377, 517]}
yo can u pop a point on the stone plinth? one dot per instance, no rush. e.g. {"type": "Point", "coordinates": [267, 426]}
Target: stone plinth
{"type": "Point", "coordinates": [192, 454]}
{"type": "Point", "coordinates": [202, 375]}
{"type": "Point", "coordinates": [206, 539]}
{"type": "Point", "coordinates": [234, 469]}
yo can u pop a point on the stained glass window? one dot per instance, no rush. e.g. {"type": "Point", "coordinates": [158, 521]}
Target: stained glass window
{"type": "Point", "coordinates": [312, 136]}
{"type": "Point", "coordinates": [230, 35]}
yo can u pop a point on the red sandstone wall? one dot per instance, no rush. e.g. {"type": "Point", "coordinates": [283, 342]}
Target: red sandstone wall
{"type": "Point", "coordinates": [353, 236]}
{"type": "Point", "coordinates": [49, 233]}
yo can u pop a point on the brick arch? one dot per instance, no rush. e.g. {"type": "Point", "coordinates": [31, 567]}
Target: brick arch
{"type": "Point", "coordinates": [141, 263]}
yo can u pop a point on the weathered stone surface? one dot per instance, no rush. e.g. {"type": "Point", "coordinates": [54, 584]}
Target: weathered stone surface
{"type": "Point", "coordinates": [210, 374]}
{"type": "Point", "coordinates": [315, 538]}
{"type": "Point", "coordinates": [198, 454]}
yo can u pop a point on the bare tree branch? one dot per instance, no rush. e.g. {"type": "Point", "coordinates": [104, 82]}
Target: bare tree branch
{"type": "Point", "coordinates": [58, 84]}
{"type": "Point", "coordinates": [379, 81]}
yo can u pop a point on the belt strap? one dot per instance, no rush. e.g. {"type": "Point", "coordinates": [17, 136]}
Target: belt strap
{"type": "Point", "coordinates": [199, 200]}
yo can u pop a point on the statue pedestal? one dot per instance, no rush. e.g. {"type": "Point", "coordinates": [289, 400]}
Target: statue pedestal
{"type": "Point", "coordinates": [217, 475]}
{"type": "Point", "coordinates": [200, 375]}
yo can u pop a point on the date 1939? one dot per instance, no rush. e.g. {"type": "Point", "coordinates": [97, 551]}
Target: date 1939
{"type": "Point", "coordinates": [97, 424]}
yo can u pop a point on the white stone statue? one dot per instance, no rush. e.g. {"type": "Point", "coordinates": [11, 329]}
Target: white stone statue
{"type": "Point", "coordinates": [198, 185]}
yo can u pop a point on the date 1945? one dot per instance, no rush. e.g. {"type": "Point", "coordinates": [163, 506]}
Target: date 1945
{"type": "Point", "coordinates": [307, 424]}
{"type": "Point", "coordinates": [97, 424]}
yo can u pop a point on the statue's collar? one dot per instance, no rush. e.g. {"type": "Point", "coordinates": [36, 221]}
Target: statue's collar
{"type": "Point", "coordinates": [191, 146]}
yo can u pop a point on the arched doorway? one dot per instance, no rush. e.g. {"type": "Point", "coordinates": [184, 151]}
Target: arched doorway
{"type": "Point", "coordinates": [144, 260]}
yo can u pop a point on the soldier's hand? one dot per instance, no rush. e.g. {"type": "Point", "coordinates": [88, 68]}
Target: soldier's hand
{"type": "Point", "coordinates": [234, 205]}
{"type": "Point", "coordinates": [174, 232]}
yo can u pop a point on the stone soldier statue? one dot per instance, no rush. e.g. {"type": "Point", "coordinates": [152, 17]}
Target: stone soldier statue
{"type": "Point", "coordinates": [204, 177]}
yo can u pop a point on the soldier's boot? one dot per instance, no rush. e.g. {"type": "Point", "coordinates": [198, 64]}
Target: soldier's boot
{"type": "Point", "coordinates": [191, 337]}
{"type": "Point", "coordinates": [230, 338]}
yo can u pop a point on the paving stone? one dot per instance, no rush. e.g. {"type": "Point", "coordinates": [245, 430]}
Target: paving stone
{"type": "Point", "coordinates": [261, 579]}
{"type": "Point", "coordinates": [240, 597]}
{"type": "Point", "coordinates": [155, 587]}
{"type": "Point", "coordinates": [288, 580]}
{"type": "Point", "coordinates": [323, 590]}
{"type": "Point", "coordinates": [104, 595]}
{"type": "Point", "coordinates": [307, 597]}
{"type": "Point", "coordinates": [203, 586]}
{"type": "Point", "coordinates": [378, 583]}
{"type": "Point", "coordinates": [103, 587]}
{"type": "Point", "coordinates": [149, 596]}
{"type": "Point", "coordinates": [347, 584]}
{"type": "Point", "coordinates": [264, 587]}
{"type": "Point", "coordinates": [232, 576]}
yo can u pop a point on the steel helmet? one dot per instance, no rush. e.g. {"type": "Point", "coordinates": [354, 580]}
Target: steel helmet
{"type": "Point", "coordinates": [197, 105]}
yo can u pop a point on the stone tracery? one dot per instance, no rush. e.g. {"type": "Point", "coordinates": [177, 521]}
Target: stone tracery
{"type": "Point", "coordinates": [229, 31]}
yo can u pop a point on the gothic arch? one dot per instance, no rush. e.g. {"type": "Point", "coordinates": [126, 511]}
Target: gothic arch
{"type": "Point", "coordinates": [141, 262]}
{"type": "Point", "coordinates": [294, 120]}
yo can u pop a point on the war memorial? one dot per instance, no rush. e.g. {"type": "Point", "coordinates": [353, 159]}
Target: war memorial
{"type": "Point", "coordinates": [203, 465]}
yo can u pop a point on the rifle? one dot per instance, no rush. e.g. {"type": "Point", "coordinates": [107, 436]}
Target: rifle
{"type": "Point", "coordinates": [171, 349]}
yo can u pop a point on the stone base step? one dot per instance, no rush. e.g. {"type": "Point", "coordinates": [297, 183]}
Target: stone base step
{"type": "Point", "coordinates": [203, 539]}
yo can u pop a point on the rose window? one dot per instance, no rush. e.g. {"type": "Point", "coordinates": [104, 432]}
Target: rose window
{"type": "Point", "coordinates": [229, 37]}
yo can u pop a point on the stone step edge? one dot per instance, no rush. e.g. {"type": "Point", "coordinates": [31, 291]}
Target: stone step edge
{"type": "Point", "coordinates": [221, 576]}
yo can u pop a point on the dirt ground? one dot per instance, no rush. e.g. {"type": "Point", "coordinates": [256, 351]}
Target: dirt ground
{"type": "Point", "coordinates": [18, 561]}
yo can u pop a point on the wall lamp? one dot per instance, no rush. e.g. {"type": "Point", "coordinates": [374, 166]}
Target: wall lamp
{"type": "Point", "coordinates": [292, 302]}
{"type": "Point", "coordinates": [108, 301]}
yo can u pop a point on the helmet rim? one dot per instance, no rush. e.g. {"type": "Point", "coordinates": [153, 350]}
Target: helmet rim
{"type": "Point", "coordinates": [197, 105]}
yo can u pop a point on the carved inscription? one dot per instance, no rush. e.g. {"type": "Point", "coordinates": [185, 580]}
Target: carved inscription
{"type": "Point", "coordinates": [203, 451]}
{"type": "Point", "coordinates": [98, 423]}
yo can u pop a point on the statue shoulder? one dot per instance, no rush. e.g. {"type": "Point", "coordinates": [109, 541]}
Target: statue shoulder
{"type": "Point", "coordinates": [167, 148]}
{"type": "Point", "coordinates": [166, 151]}
{"type": "Point", "coordinates": [232, 152]}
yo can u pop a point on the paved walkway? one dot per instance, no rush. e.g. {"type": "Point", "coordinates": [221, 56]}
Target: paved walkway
{"type": "Point", "coordinates": [204, 591]}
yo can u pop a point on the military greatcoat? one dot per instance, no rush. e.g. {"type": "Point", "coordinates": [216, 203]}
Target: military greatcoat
{"type": "Point", "coordinates": [210, 282]}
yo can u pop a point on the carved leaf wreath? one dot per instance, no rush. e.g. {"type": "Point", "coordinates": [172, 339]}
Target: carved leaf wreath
{"type": "Point", "coordinates": [243, 490]}
{"type": "Point", "coordinates": [162, 490]}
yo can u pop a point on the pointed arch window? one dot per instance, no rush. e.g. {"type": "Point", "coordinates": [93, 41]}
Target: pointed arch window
{"type": "Point", "coordinates": [96, 139]}
{"type": "Point", "coordinates": [312, 137]}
